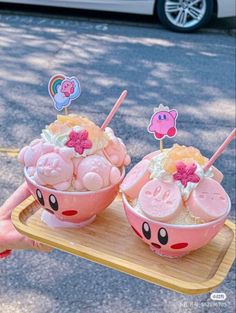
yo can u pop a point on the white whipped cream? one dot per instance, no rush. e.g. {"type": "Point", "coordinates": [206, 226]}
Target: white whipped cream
{"type": "Point", "coordinates": [156, 167]}
{"type": "Point", "coordinates": [186, 191]}
{"type": "Point", "coordinates": [59, 140]}
{"type": "Point", "coordinates": [157, 171]}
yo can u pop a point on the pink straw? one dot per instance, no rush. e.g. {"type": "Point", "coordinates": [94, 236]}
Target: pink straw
{"type": "Point", "coordinates": [114, 109]}
{"type": "Point", "coordinates": [220, 150]}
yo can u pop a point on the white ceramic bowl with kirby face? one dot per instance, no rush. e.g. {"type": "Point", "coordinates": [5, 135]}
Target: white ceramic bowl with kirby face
{"type": "Point", "coordinates": [73, 207]}
{"type": "Point", "coordinates": [171, 240]}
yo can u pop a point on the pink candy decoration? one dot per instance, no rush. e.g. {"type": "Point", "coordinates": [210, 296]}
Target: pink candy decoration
{"type": "Point", "coordinates": [55, 169]}
{"type": "Point", "coordinates": [137, 177]}
{"type": "Point", "coordinates": [79, 141]}
{"type": "Point", "coordinates": [29, 155]}
{"type": "Point", "coordinates": [159, 200]}
{"type": "Point", "coordinates": [116, 151]}
{"type": "Point", "coordinates": [186, 173]}
{"type": "Point", "coordinates": [95, 172]}
{"type": "Point", "coordinates": [208, 200]}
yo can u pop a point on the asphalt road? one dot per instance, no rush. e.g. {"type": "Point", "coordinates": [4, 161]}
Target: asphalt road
{"type": "Point", "coordinates": [194, 73]}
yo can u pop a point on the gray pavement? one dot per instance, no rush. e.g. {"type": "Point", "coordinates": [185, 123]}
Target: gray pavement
{"type": "Point", "coordinates": [194, 73]}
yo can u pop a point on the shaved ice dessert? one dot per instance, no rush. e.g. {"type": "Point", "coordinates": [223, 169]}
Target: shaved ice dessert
{"type": "Point", "coordinates": [73, 154]}
{"type": "Point", "coordinates": [166, 188]}
{"type": "Point", "coordinates": [75, 168]}
{"type": "Point", "coordinates": [174, 200]}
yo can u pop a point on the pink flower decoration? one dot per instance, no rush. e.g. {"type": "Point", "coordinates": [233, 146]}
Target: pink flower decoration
{"type": "Point", "coordinates": [79, 141]}
{"type": "Point", "coordinates": [186, 173]}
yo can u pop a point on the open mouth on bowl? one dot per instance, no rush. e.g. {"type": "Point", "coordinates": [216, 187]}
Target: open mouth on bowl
{"type": "Point", "coordinates": [49, 211]}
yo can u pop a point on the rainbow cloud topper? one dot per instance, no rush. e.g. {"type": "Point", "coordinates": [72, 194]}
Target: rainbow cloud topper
{"type": "Point", "coordinates": [63, 90]}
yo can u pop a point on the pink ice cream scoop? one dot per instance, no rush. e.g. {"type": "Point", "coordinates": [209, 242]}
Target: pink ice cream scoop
{"type": "Point", "coordinates": [29, 155]}
{"type": "Point", "coordinates": [208, 200]}
{"type": "Point", "coordinates": [55, 169]}
{"type": "Point", "coordinates": [95, 172]}
{"type": "Point", "coordinates": [136, 178]}
{"type": "Point", "coordinates": [159, 200]}
{"type": "Point", "coordinates": [116, 153]}
{"type": "Point", "coordinates": [163, 123]}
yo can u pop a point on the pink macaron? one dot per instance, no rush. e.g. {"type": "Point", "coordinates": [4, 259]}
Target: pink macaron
{"type": "Point", "coordinates": [136, 178]}
{"type": "Point", "coordinates": [208, 200]}
{"type": "Point", "coordinates": [160, 200]}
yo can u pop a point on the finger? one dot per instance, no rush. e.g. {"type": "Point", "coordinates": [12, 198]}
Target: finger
{"type": "Point", "coordinates": [24, 243]}
{"type": "Point", "coordinates": [28, 244]}
{"type": "Point", "coordinates": [15, 199]}
{"type": "Point", "coordinates": [13, 240]}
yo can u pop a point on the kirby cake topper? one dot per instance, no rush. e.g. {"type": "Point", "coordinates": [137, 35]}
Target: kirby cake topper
{"type": "Point", "coordinates": [63, 90]}
{"type": "Point", "coordinates": [163, 123]}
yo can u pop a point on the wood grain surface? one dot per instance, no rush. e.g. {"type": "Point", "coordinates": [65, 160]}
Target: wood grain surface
{"type": "Point", "coordinates": [111, 242]}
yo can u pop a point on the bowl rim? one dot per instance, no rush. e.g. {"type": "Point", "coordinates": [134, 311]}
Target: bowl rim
{"type": "Point", "coordinates": [203, 225]}
{"type": "Point", "coordinates": [72, 193]}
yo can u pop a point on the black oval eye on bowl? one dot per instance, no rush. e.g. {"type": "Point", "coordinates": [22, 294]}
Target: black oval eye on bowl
{"type": "Point", "coordinates": [163, 236]}
{"type": "Point", "coordinates": [146, 230]}
{"type": "Point", "coordinates": [53, 202]}
{"type": "Point", "coordinates": [40, 197]}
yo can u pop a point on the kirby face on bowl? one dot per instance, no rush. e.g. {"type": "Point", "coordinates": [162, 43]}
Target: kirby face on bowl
{"type": "Point", "coordinates": [172, 240]}
{"type": "Point", "coordinates": [74, 207]}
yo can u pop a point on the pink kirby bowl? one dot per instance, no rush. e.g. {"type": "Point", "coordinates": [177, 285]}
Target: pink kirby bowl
{"type": "Point", "coordinates": [172, 240]}
{"type": "Point", "coordinates": [73, 207]}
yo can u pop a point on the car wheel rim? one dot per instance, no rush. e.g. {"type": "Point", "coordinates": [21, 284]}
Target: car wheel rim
{"type": "Point", "coordinates": [185, 13]}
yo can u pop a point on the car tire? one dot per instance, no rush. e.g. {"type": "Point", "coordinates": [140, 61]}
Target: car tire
{"type": "Point", "coordinates": [178, 15]}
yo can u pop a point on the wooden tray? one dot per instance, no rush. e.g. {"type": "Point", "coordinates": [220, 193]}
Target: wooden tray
{"type": "Point", "coordinates": [111, 242]}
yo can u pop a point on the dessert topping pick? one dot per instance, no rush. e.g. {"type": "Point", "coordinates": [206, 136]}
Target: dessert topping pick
{"type": "Point", "coordinates": [63, 90]}
{"type": "Point", "coordinates": [163, 123]}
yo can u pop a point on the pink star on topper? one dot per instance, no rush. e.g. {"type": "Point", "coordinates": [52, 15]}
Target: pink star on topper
{"type": "Point", "coordinates": [186, 173]}
{"type": "Point", "coordinates": [79, 140]}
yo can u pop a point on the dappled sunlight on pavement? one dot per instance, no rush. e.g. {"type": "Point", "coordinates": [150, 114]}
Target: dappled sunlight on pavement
{"type": "Point", "coordinates": [193, 73]}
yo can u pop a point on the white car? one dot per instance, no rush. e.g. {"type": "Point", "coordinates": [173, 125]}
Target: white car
{"type": "Point", "coordinates": [178, 15]}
